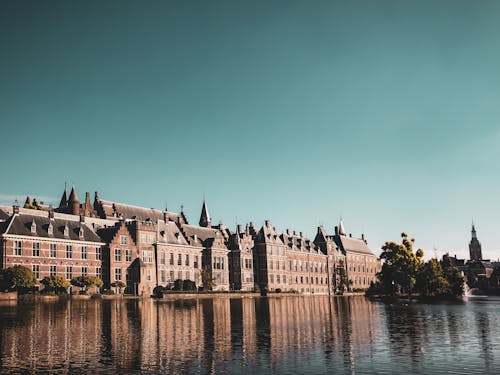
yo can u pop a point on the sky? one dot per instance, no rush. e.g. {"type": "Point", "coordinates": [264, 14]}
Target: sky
{"type": "Point", "coordinates": [384, 113]}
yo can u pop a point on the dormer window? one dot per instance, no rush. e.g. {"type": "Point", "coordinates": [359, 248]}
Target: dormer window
{"type": "Point", "coordinates": [33, 227]}
{"type": "Point", "coordinates": [80, 232]}
{"type": "Point", "coordinates": [66, 230]}
{"type": "Point", "coordinates": [50, 229]}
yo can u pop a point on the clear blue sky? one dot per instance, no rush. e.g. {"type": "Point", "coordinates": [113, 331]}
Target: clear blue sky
{"type": "Point", "coordinates": [384, 112]}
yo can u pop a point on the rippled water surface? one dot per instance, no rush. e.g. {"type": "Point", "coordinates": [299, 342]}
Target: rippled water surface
{"type": "Point", "coordinates": [306, 335]}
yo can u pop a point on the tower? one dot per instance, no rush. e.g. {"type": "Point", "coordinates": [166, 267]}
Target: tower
{"type": "Point", "coordinates": [73, 202]}
{"type": "Point", "coordinates": [205, 220]}
{"type": "Point", "coordinates": [475, 246]}
{"type": "Point", "coordinates": [64, 199]}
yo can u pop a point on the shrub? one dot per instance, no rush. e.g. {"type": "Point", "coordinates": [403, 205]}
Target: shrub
{"type": "Point", "coordinates": [188, 285]}
{"type": "Point", "coordinates": [57, 284]}
{"type": "Point", "coordinates": [178, 284]}
{"type": "Point", "coordinates": [17, 278]}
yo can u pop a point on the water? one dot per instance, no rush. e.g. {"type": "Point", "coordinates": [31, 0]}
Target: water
{"type": "Point", "coordinates": [305, 335]}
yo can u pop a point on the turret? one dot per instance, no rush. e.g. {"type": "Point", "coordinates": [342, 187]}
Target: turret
{"type": "Point", "coordinates": [73, 202]}
{"type": "Point", "coordinates": [205, 220]}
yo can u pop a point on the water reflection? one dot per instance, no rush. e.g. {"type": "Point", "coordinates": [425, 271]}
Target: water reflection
{"type": "Point", "coordinates": [239, 335]}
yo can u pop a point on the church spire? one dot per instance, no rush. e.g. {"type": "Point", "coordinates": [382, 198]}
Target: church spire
{"type": "Point", "coordinates": [341, 228]}
{"type": "Point", "coordinates": [473, 232]}
{"type": "Point", "coordinates": [205, 220]}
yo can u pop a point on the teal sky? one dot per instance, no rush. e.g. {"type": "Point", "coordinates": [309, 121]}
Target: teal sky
{"type": "Point", "coordinates": [384, 112]}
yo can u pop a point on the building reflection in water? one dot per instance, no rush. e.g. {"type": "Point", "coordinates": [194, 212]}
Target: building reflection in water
{"type": "Point", "coordinates": [236, 335]}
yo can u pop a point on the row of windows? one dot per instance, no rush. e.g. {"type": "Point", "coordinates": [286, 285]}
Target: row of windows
{"type": "Point", "coordinates": [360, 268]}
{"type": "Point", "coordinates": [35, 250]}
{"type": "Point", "coordinates": [180, 262]}
{"type": "Point", "coordinates": [180, 275]}
{"type": "Point", "coordinates": [67, 270]}
{"type": "Point", "coordinates": [298, 279]}
{"type": "Point", "coordinates": [120, 252]}
{"type": "Point", "coordinates": [218, 263]}
{"type": "Point", "coordinates": [361, 281]}
{"type": "Point", "coordinates": [276, 250]}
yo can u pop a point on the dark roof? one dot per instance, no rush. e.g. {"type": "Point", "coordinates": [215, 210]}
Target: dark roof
{"type": "Point", "coordinates": [170, 233]}
{"type": "Point", "coordinates": [21, 225]}
{"type": "Point", "coordinates": [107, 234]}
{"type": "Point", "coordinates": [205, 235]}
{"type": "Point", "coordinates": [269, 234]}
{"type": "Point", "coordinates": [128, 211]}
{"type": "Point", "coordinates": [4, 215]}
{"type": "Point", "coordinates": [351, 244]}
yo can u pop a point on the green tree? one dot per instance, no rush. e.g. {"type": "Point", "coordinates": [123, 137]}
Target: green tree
{"type": "Point", "coordinates": [188, 285]}
{"type": "Point", "coordinates": [56, 284]}
{"type": "Point", "coordinates": [17, 278]}
{"type": "Point", "coordinates": [342, 277]}
{"type": "Point", "coordinates": [178, 284]}
{"type": "Point", "coordinates": [86, 282]}
{"type": "Point", "coordinates": [401, 265]}
{"type": "Point", "coordinates": [430, 280]}
{"type": "Point", "coordinates": [453, 275]}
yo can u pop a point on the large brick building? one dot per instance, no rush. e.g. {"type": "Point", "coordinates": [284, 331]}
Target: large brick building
{"type": "Point", "coordinates": [144, 248]}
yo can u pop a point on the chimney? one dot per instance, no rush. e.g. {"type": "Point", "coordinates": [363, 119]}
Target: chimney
{"type": "Point", "coordinates": [15, 209]}
{"type": "Point", "coordinates": [82, 219]}
{"type": "Point", "coordinates": [165, 217]}
{"type": "Point", "coordinates": [266, 223]}
{"type": "Point", "coordinates": [350, 234]}
{"type": "Point", "coordinates": [51, 212]}
{"type": "Point", "coordinates": [287, 231]}
{"type": "Point", "coordinates": [239, 227]}
{"type": "Point", "coordinates": [294, 233]}
{"type": "Point", "coordinates": [336, 230]}
{"type": "Point", "coordinates": [300, 233]}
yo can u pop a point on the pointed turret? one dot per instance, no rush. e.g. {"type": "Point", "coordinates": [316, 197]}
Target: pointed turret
{"type": "Point", "coordinates": [205, 220]}
{"type": "Point", "coordinates": [475, 250]}
{"type": "Point", "coordinates": [341, 228]}
{"type": "Point", "coordinates": [473, 232]}
{"type": "Point", "coordinates": [27, 202]}
{"type": "Point", "coordinates": [73, 202]}
{"type": "Point", "coordinates": [64, 198]}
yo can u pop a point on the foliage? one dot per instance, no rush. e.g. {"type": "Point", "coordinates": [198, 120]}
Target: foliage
{"type": "Point", "coordinates": [208, 281]}
{"type": "Point", "coordinates": [401, 265]}
{"type": "Point", "coordinates": [431, 282]}
{"type": "Point", "coordinates": [453, 275]}
{"type": "Point", "coordinates": [118, 284]}
{"type": "Point", "coordinates": [85, 282]}
{"type": "Point", "coordinates": [342, 277]}
{"type": "Point", "coordinates": [188, 285]}
{"type": "Point", "coordinates": [17, 278]}
{"type": "Point", "coordinates": [55, 283]}
{"type": "Point", "coordinates": [178, 285]}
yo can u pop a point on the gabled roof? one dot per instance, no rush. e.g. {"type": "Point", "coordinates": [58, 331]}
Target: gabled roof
{"type": "Point", "coordinates": [3, 215]}
{"type": "Point", "coordinates": [170, 233]}
{"type": "Point", "coordinates": [269, 234]}
{"type": "Point", "coordinates": [351, 244]}
{"type": "Point", "coordinates": [21, 225]}
{"type": "Point", "coordinates": [204, 235]}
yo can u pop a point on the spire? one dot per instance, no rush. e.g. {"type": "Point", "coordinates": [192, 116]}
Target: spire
{"type": "Point", "coordinates": [64, 198]}
{"type": "Point", "coordinates": [473, 232]}
{"type": "Point", "coordinates": [72, 195]}
{"type": "Point", "coordinates": [205, 220]}
{"type": "Point", "coordinates": [341, 228]}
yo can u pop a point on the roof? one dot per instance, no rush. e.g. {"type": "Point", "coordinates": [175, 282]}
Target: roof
{"type": "Point", "coordinates": [22, 224]}
{"type": "Point", "coordinates": [269, 234]}
{"type": "Point", "coordinates": [351, 244]}
{"type": "Point", "coordinates": [128, 211]}
{"type": "Point", "coordinates": [170, 233]}
{"type": "Point", "coordinates": [203, 235]}
{"type": "Point", "coordinates": [3, 215]}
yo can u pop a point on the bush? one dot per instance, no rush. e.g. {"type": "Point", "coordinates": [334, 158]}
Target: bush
{"type": "Point", "coordinates": [278, 290]}
{"type": "Point", "coordinates": [188, 285]}
{"type": "Point", "coordinates": [57, 284]}
{"type": "Point", "coordinates": [178, 284]}
{"type": "Point", "coordinates": [17, 278]}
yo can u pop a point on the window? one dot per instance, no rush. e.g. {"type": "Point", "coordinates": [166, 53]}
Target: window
{"type": "Point", "coordinates": [127, 275]}
{"type": "Point", "coordinates": [36, 249]}
{"type": "Point", "coordinates": [187, 259]}
{"type": "Point", "coordinates": [50, 230]}
{"type": "Point", "coordinates": [18, 248]}
{"type": "Point", "coordinates": [98, 272]}
{"type": "Point", "coordinates": [98, 254]}
{"type": "Point", "coordinates": [278, 279]}
{"type": "Point", "coordinates": [123, 240]}
{"type": "Point", "coordinates": [52, 270]}
{"type": "Point", "coordinates": [271, 278]}
{"type": "Point", "coordinates": [36, 270]}
{"type": "Point", "coordinates": [188, 275]}
{"type": "Point", "coordinates": [195, 264]}
{"type": "Point", "coordinates": [151, 238]}
{"type": "Point", "coordinates": [53, 250]}
{"type": "Point", "coordinates": [179, 260]}
{"type": "Point", "coordinates": [162, 258]}
{"type": "Point", "coordinates": [148, 275]}
{"type": "Point", "coordinates": [128, 255]}
{"type": "Point", "coordinates": [143, 238]}
{"type": "Point", "coordinates": [147, 256]}
{"type": "Point", "coordinates": [179, 275]}
{"type": "Point", "coordinates": [69, 272]}
{"type": "Point", "coordinates": [85, 271]}
{"type": "Point", "coordinates": [171, 275]}
{"type": "Point", "coordinates": [163, 276]}
{"type": "Point", "coordinates": [118, 274]}
{"type": "Point", "coordinates": [84, 252]}
{"type": "Point", "coordinates": [171, 259]}
{"type": "Point", "coordinates": [69, 252]}
{"type": "Point", "coordinates": [118, 255]}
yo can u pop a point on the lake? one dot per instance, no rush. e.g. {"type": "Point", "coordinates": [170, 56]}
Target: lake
{"type": "Point", "coordinates": [289, 334]}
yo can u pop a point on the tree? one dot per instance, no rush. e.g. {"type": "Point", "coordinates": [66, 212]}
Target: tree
{"type": "Point", "coordinates": [430, 280]}
{"type": "Point", "coordinates": [208, 281]}
{"type": "Point", "coordinates": [453, 275]}
{"type": "Point", "coordinates": [85, 282]}
{"type": "Point", "coordinates": [401, 265]}
{"type": "Point", "coordinates": [178, 284]}
{"type": "Point", "coordinates": [17, 278]}
{"type": "Point", "coordinates": [118, 284]}
{"type": "Point", "coordinates": [55, 283]}
{"type": "Point", "coordinates": [188, 285]}
{"type": "Point", "coordinates": [342, 277]}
